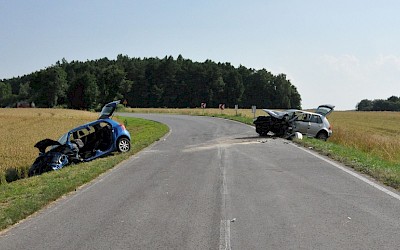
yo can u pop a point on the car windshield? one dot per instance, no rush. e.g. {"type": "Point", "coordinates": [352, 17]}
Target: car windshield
{"type": "Point", "coordinates": [107, 110]}
{"type": "Point", "coordinates": [323, 110]}
{"type": "Point", "coordinates": [63, 139]}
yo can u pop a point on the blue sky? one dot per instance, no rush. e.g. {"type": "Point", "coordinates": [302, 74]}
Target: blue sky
{"type": "Point", "coordinates": [337, 52]}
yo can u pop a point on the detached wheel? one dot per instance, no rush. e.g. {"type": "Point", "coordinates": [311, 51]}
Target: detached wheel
{"type": "Point", "coordinates": [123, 145]}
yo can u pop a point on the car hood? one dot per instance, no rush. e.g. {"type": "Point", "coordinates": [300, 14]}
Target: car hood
{"type": "Point", "coordinates": [43, 144]}
{"type": "Point", "coordinates": [275, 113]}
{"type": "Point", "coordinates": [108, 109]}
{"type": "Point", "coordinates": [280, 114]}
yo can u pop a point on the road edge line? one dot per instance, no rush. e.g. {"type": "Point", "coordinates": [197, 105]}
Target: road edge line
{"type": "Point", "coordinates": [354, 174]}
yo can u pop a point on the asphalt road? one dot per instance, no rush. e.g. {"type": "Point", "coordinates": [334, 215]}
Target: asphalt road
{"type": "Point", "coordinates": [214, 184]}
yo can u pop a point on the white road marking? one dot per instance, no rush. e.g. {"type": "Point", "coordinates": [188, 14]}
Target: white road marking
{"type": "Point", "coordinates": [225, 235]}
{"type": "Point", "coordinates": [224, 230]}
{"type": "Point", "coordinates": [358, 176]}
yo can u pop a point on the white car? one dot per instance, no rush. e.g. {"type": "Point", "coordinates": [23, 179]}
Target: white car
{"type": "Point", "coordinates": [286, 123]}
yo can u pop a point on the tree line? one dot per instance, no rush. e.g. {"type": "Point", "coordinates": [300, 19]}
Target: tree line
{"type": "Point", "coordinates": [149, 82]}
{"type": "Point", "coordinates": [390, 104]}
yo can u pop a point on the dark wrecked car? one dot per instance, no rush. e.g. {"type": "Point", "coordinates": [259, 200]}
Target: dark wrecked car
{"type": "Point", "coordinates": [84, 143]}
{"type": "Point", "coordinates": [286, 123]}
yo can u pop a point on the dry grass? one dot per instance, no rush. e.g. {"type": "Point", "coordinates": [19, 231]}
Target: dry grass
{"type": "Point", "coordinates": [377, 133]}
{"type": "Point", "coordinates": [20, 129]}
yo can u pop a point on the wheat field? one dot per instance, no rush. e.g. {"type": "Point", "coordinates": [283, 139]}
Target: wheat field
{"type": "Point", "coordinates": [20, 129]}
{"type": "Point", "coordinates": [377, 133]}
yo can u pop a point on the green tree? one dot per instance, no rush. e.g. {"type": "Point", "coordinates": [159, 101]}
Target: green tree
{"type": "Point", "coordinates": [111, 83]}
{"type": "Point", "coordinates": [234, 88]}
{"type": "Point", "coordinates": [56, 85]}
{"type": "Point", "coordinates": [5, 93]}
{"type": "Point", "coordinates": [138, 96]}
{"type": "Point", "coordinates": [167, 81]}
{"type": "Point", "coordinates": [295, 98]}
{"type": "Point", "coordinates": [154, 82]}
{"type": "Point", "coordinates": [84, 92]}
{"type": "Point", "coordinates": [364, 105]}
{"type": "Point", "coordinates": [48, 86]}
{"type": "Point", "coordinates": [24, 91]}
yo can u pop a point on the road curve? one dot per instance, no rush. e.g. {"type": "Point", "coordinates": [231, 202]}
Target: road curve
{"type": "Point", "coordinates": [213, 184]}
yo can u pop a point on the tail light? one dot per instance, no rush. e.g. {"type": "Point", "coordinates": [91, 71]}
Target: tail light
{"type": "Point", "coordinates": [122, 126]}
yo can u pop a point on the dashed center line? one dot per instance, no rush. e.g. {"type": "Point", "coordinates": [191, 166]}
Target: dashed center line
{"type": "Point", "coordinates": [225, 235]}
{"type": "Point", "coordinates": [225, 231]}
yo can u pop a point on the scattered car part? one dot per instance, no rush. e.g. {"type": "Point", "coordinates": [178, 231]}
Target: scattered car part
{"type": "Point", "coordinates": [298, 135]}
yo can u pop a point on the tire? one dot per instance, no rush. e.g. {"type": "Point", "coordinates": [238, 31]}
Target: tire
{"type": "Point", "coordinates": [123, 145]}
{"type": "Point", "coordinates": [322, 135]}
{"type": "Point", "coordinates": [261, 131]}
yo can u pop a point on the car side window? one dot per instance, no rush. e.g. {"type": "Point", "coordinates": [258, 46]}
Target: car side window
{"type": "Point", "coordinates": [303, 118]}
{"type": "Point", "coordinates": [315, 119]}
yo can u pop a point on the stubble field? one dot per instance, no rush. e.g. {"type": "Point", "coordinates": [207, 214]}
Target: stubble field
{"type": "Point", "coordinates": [377, 133]}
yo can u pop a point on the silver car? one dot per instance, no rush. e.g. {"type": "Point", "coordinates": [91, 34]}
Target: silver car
{"type": "Point", "coordinates": [286, 123]}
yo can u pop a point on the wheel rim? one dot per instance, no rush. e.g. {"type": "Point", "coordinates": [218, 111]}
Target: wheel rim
{"type": "Point", "coordinates": [124, 145]}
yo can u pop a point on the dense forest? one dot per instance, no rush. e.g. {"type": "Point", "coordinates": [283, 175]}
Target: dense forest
{"type": "Point", "coordinates": [390, 104]}
{"type": "Point", "coordinates": [149, 82]}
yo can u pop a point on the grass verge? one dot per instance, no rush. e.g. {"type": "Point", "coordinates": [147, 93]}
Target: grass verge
{"type": "Point", "coordinates": [22, 198]}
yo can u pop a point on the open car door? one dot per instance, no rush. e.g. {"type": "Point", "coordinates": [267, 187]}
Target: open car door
{"type": "Point", "coordinates": [108, 110]}
{"type": "Point", "coordinates": [325, 109]}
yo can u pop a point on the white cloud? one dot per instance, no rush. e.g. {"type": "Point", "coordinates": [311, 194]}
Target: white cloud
{"type": "Point", "coordinates": [388, 60]}
{"type": "Point", "coordinates": [348, 65]}
{"type": "Point", "coordinates": [342, 61]}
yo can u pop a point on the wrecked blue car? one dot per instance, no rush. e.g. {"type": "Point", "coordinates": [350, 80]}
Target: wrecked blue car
{"type": "Point", "coordinates": [84, 143]}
